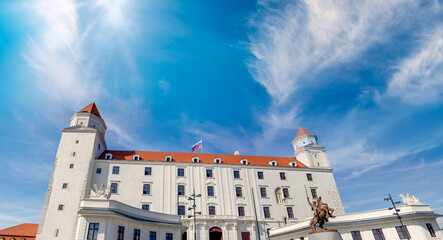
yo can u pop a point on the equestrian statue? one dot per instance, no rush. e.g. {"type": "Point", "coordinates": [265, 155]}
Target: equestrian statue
{"type": "Point", "coordinates": [322, 213]}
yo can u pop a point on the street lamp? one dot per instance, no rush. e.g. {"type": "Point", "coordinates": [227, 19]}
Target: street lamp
{"type": "Point", "coordinates": [397, 213]}
{"type": "Point", "coordinates": [192, 198]}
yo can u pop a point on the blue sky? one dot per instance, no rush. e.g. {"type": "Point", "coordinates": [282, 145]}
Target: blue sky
{"type": "Point", "coordinates": [365, 76]}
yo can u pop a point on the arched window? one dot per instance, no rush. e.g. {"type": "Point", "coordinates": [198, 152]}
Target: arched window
{"type": "Point", "coordinates": [136, 157]}
{"type": "Point", "coordinates": [168, 158]}
{"type": "Point", "coordinates": [217, 160]}
{"type": "Point", "coordinates": [108, 156]}
{"type": "Point", "coordinates": [195, 159]}
{"type": "Point", "coordinates": [273, 163]}
{"type": "Point", "coordinates": [244, 161]}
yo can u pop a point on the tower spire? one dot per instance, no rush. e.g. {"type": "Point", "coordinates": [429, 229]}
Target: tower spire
{"type": "Point", "coordinates": [91, 108]}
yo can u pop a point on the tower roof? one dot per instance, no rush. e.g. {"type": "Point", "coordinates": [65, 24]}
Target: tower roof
{"type": "Point", "coordinates": [91, 108]}
{"type": "Point", "coordinates": [302, 131]}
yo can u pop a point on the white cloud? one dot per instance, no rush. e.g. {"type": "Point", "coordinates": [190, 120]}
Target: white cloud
{"type": "Point", "coordinates": [419, 78]}
{"type": "Point", "coordinates": [295, 40]}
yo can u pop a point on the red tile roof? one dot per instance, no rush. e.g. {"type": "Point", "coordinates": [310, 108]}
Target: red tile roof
{"type": "Point", "coordinates": [91, 108]}
{"type": "Point", "coordinates": [28, 230]}
{"type": "Point", "coordinates": [302, 131]}
{"type": "Point", "coordinates": [203, 158]}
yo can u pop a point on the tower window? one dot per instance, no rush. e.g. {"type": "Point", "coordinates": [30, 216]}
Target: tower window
{"type": "Point", "coordinates": [309, 176]}
{"type": "Point", "coordinates": [210, 191]}
{"type": "Point", "coordinates": [146, 189]}
{"type": "Point", "coordinates": [73, 154]}
{"type": "Point", "coordinates": [98, 145]}
{"type": "Point", "coordinates": [181, 172]}
{"type": "Point", "coordinates": [114, 187]}
{"type": "Point", "coordinates": [314, 193]}
{"type": "Point", "coordinates": [60, 207]}
{"type": "Point", "coordinates": [108, 156]}
{"type": "Point", "coordinates": [168, 158]}
{"type": "Point", "coordinates": [116, 170]}
{"type": "Point", "coordinates": [181, 190]}
{"type": "Point", "coordinates": [236, 174]}
{"type": "Point", "coordinates": [71, 165]}
{"type": "Point", "coordinates": [181, 210]}
{"type": "Point", "coordinates": [148, 171]}
{"type": "Point", "coordinates": [76, 141]}
{"type": "Point", "coordinates": [283, 176]}
{"type": "Point", "coordinates": [290, 212]}
{"type": "Point", "coordinates": [263, 193]}
{"type": "Point", "coordinates": [241, 211]}
{"type": "Point", "coordinates": [145, 207]}
{"type": "Point", "coordinates": [136, 157]}
{"type": "Point", "coordinates": [267, 212]}
{"type": "Point", "coordinates": [211, 210]}
{"type": "Point", "coordinates": [64, 186]}
{"type": "Point", "coordinates": [209, 173]}
{"type": "Point", "coordinates": [260, 175]}
{"type": "Point", "coordinates": [99, 171]}
{"type": "Point", "coordinates": [238, 192]}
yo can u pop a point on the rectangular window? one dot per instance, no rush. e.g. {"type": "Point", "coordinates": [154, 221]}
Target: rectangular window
{"type": "Point", "coordinates": [181, 210]}
{"type": "Point", "coordinates": [378, 234]}
{"type": "Point", "coordinates": [152, 235]}
{"type": "Point", "coordinates": [314, 193]}
{"type": "Point", "coordinates": [71, 165]}
{"type": "Point", "coordinates": [283, 176]}
{"type": "Point", "coordinates": [285, 193]}
{"type": "Point", "coordinates": [65, 185]}
{"type": "Point", "coordinates": [148, 171]}
{"type": "Point", "coordinates": [147, 189]}
{"type": "Point", "coordinates": [210, 191]}
{"type": "Point", "coordinates": [93, 231]}
{"type": "Point", "coordinates": [99, 171]}
{"type": "Point", "coordinates": [403, 232]}
{"type": "Point", "coordinates": [136, 234]}
{"type": "Point", "coordinates": [290, 212]}
{"type": "Point", "coordinates": [263, 193]}
{"type": "Point", "coordinates": [60, 207]}
{"type": "Point", "coordinates": [238, 192]}
{"type": "Point", "coordinates": [145, 207]}
{"type": "Point", "coordinates": [121, 233]}
{"type": "Point", "coordinates": [430, 229]}
{"type": "Point", "coordinates": [114, 187]}
{"type": "Point", "coordinates": [208, 172]}
{"type": "Point", "coordinates": [115, 170]}
{"type": "Point", "coordinates": [266, 212]}
{"type": "Point", "coordinates": [181, 189]}
{"type": "Point", "coordinates": [241, 211]}
{"type": "Point", "coordinates": [169, 236]}
{"type": "Point", "coordinates": [356, 235]}
{"type": "Point", "coordinates": [309, 176]}
{"type": "Point", "coordinates": [260, 175]}
{"type": "Point", "coordinates": [236, 174]}
{"type": "Point", "coordinates": [181, 172]}
{"type": "Point", "coordinates": [211, 210]}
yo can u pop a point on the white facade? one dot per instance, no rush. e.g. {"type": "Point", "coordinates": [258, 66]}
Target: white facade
{"type": "Point", "coordinates": [416, 218]}
{"type": "Point", "coordinates": [83, 150]}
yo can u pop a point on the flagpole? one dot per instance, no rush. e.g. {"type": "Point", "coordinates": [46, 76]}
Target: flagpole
{"type": "Point", "coordinates": [201, 151]}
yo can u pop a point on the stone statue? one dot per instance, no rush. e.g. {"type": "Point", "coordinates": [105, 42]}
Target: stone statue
{"type": "Point", "coordinates": [100, 191]}
{"type": "Point", "coordinates": [409, 199]}
{"type": "Point", "coordinates": [321, 213]}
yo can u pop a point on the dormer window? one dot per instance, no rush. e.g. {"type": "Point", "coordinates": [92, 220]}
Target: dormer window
{"type": "Point", "coordinates": [273, 163]}
{"type": "Point", "coordinates": [217, 160]}
{"type": "Point", "coordinates": [293, 164]}
{"type": "Point", "coordinates": [136, 157]}
{"type": "Point", "coordinates": [168, 158]}
{"type": "Point", "coordinates": [195, 159]}
{"type": "Point", "coordinates": [108, 156]}
{"type": "Point", "coordinates": [244, 161]}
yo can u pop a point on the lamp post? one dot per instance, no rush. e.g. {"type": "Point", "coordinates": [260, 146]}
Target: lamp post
{"type": "Point", "coordinates": [192, 198]}
{"type": "Point", "coordinates": [397, 213]}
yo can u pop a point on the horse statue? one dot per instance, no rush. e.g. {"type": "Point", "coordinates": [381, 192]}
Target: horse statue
{"type": "Point", "coordinates": [321, 213]}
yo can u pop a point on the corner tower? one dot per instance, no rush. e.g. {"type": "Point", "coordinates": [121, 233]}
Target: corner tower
{"type": "Point", "coordinates": [80, 143]}
{"type": "Point", "coordinates": [308, 151]}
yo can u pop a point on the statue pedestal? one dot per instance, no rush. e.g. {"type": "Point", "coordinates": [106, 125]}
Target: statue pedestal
{"type": "Point", "coordinates": [325, 235]}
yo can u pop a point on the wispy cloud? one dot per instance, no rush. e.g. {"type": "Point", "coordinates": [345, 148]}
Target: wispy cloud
{"type": "Point", "coordinates": [419, 78]}
{"type": "Point", "coordinates": [296, 39]}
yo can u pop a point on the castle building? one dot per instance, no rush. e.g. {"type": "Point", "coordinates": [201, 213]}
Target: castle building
{"type": "Point", "coordinates": [97, 193]}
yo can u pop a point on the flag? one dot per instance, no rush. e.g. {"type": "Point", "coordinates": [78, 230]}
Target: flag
{"type": "Point", "coordinates": [198, 145]}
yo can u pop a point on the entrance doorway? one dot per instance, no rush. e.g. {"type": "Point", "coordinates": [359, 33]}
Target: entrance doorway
{"type": "Point", "coordinates": [215, 233]}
